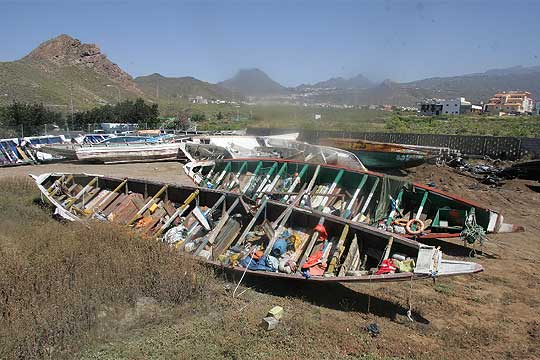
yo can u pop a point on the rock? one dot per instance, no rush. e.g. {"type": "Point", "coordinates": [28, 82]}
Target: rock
{"type": "Point", "coordinates": [276, 312]}
{"type": "Point", "coordinates": [269, 323]}
{"type": "Point", "coordinates": [64, 50]}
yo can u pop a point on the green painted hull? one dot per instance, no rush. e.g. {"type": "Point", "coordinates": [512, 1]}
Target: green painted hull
{"type": "Point", "coordinates": [389, 160]}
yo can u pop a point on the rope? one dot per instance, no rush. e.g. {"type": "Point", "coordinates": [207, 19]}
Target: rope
{"type": "Point", "coordinates": [409, 312]}
{"type": "Point", "coordinates": [473, 232]}
{"type": "Point", "coordinates": [244, 273]}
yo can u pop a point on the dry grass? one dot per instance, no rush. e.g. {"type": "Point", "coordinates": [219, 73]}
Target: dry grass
{"type": "Point", "coordinates": [55, 278]}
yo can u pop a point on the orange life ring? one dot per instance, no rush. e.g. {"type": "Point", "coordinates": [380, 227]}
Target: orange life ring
{"type": "Point", "coordinates": [420, 226]}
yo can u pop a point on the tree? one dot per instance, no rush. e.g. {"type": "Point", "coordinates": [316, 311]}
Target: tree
{"type": "Point", "coordinates": [198, 117]}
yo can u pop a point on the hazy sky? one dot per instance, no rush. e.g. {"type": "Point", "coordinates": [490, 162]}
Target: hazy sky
{"type": "Point", "coordinates": [293, 41]}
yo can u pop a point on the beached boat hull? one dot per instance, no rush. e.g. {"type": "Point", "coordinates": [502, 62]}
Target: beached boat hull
{"type": "Point", "coordinates": [380, 160]}
{"type": "Point", "coordinates": [380, 156]}
{"type": "Point", "coordinates": [157, 210]}
{"type": "Point", "coordinates": [278, 146]}
{"type": "Point", "coordinates": [117, 153]}
{"type": "Point", "coordinates": [362, 196]}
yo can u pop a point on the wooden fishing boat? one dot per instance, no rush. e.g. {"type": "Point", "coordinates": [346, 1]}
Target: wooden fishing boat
{"type": "Point", "coordinates": [390, 203]}
{"type": "Point", "coordinates": [279, 146]}
{"type": "Point", "coordinates": [271, 240]}
{"type": "Point", "coordinates": [116, 153]}
{"type": "Point", "coordinates": [379, 156]}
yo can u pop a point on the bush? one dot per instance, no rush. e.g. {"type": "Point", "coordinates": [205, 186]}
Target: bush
{"type": "Point", "coordinates": [55, 277]}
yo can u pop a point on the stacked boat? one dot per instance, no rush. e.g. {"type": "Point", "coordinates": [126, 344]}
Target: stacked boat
{"type": "Point", "coordinates": [299, 213]}
{"type": "Point", "coordinates": [119, 149]}
{"type": "Point", "coordinates": [357, 196]}
{"type": "Point", "coordinates": [271, 239]}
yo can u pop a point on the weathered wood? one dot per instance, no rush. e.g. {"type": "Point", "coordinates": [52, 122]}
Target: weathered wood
{"type": "Point", "coordinates": [147, 205]}
{"type": "Point", "coordinates": [309, 247]}
{"type": "Point", "coordinates": [350, 205]}
{"type": "Point", "coordinates": [296, 181]}
{"type": "Point", "coordinates": [338, 248]}
{"type": "Point", "coordinates": [388, 248]}
{"type": "Point", "coordinates": [266, 178]}
{"type": "Point", "coordinates": [360, 215]}
{"type": "Point", "coordinates": [252, 221]}
{"type": "Point", "coordinates": [351, 255]}
{"type": "Point", "coordinates": [179, 212]}
{"type": "Point", "coordinates": [212, 234]}
{"type": "Point", "coordinates": [88, 186]}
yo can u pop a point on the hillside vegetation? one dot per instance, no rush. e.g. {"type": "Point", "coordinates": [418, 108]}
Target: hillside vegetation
{"type": "Point", "coordinates": [57, 86]}
{"type": "Point", "coordinates": [170, 88]}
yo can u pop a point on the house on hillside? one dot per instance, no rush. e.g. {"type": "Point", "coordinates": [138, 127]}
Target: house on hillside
{"type": "Point", "coordinates": [512, 102]}
{"type": "Point", "coordinates": [457, 106]}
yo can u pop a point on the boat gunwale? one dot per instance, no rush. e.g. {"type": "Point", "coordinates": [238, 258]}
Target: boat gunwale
{"type": "Point", "coordinates": [357, 226]}
{"type": "Point", "coordinates": [369, 172]}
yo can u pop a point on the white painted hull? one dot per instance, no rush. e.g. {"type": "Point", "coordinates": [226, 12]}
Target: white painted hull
{"type": "Point", "coordinates": [129, 153]}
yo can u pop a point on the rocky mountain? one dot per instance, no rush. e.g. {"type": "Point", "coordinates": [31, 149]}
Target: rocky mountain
{"type": "Point", "coordinates": [62, 70]}
{"type": "Point", "coordinates": [254, 82]}
{"type": "Point", "coordinates": [170, 88]}
{"type": "Point", "coordinates": [357, 82]}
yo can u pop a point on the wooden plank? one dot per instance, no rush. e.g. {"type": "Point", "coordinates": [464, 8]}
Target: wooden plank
{"type": "Point", "coordinates": [360, 216]}
{"type": "Point", "coordinates": [265, 180]}
{"type": "Point", "coordinates": [335, 256]}
{"type": "Point", "coordinates": [196, 227]}
{"type": "Point", "coordinates": [253, 176]}
{"type": "Point", "coordinates": [179, 212]}
{"type": "Point", "coordinates": [147, 205]}
{"type": "Point", "coordinates": [252, 221]}
{"type": "Point", "coordinates": [348, 209]}
{"type": "Point", "coordinates": [336, 181]}
{"type": "Point", "coordinates": [350, 258]}
{"type": "Point", "coordinates": [296, 181]}
{"type": "Point", "coordinates": [213, 234]}
{"type": "Point", "coordinates": [221, 175]}
{"type": "Point", "coordinates": [388, 248]}
{"type": "Point", "coordinates": [272, 185]}
{"type": "Point", "coordinates": [309, 247]}
{"type": "Point", "coordinates": [236, 177]}
{"type": "Point", "coordinates": [72, 200]}
{"type": "Point", "coordinates": [422, 203]}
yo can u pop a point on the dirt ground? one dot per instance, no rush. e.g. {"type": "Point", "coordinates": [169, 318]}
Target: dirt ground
{"type": "Point", "coordinates": [493, 315]}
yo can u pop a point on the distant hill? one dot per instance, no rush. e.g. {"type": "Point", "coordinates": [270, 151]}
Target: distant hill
{"type": "Point", "coordinates": [62, 69]}
{"type": "Point", "coordinates": [182, 87]}
{"type": "Point", "coordinates": [476, 87]}
{"type": "Point", "coordinates": [481, 86]}
{"type": "Point", "coordinates": [254, 82]}
{"type": "Point", "coordinates": [387, 92]}
{"type": "Point", "coordinates": [357, 82]}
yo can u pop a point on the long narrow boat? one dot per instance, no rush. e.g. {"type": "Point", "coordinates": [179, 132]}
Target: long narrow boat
{"type": "Point", "coordinates": [271, 240]}
{"type": "Point", "coordinates": [116, 153]}
{"type": "Point", "coordinates": [389, 203]}
{"type": "Point", "coordinates": [286, 146]}
{"type": "Point", "coordinates": [379, 156]}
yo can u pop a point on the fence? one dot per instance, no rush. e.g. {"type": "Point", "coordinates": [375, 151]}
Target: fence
{"type": "Point", "coordinates": [496, 147]}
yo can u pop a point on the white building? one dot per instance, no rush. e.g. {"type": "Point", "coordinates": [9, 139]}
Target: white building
{"type": "Point", "coordinates": [445, 107]}
{"type": "Point", "coordinates": [455, 106]}
{"type": "Point", "coordinates": [537, 108]}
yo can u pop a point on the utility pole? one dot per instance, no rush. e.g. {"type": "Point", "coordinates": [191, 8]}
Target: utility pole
{"type": "Point", "coordinates": [71, 100]}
